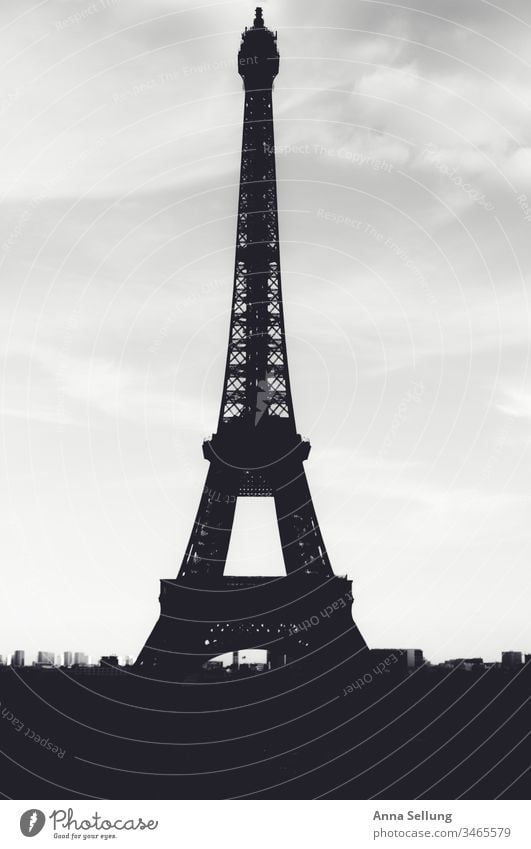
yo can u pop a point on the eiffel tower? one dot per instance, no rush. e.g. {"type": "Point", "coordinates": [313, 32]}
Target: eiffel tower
{"type": "Point", "coordinates": [256, 451]}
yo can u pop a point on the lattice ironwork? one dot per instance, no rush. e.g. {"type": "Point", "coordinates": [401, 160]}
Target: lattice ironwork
{"type": "Point", "coordinates": [256, 382]}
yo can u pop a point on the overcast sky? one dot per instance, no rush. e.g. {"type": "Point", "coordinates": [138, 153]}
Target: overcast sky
{"type": "Point", "coordinates": [404, 170]}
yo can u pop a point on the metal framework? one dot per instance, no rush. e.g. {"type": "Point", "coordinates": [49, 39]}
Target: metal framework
{"type": "Point", "coordinates": [256, 377]}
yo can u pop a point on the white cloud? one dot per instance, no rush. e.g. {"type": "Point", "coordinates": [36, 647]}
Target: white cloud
{"type": "Point", "coordinates": [516, 402]}
{"type": "Point", "coordinates": [95, 385]}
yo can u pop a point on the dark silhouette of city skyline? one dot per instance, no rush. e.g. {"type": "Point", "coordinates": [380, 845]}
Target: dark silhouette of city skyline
{"type": "Point", "coordinates": [509, 659]}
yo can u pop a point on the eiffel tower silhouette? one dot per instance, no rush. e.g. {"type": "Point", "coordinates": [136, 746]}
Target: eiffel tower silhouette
{"type": "Point", "coordinates": [256, 451]}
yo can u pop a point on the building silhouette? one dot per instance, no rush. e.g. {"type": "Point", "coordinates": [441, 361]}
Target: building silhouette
{"type": "Point", "coordinates": [18, 658]}
{"type": "Point", "coordinates": [414, 658]}
{"type": "Point", "coordinates": [511, 659]}
{"type": "Point", "coordinates": [466, 663]}
{"type": "Point", "coordinates": [109, 660]}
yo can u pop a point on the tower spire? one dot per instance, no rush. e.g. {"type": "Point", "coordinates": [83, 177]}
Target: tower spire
{"type": "Point", "coordinates": [256, 384]}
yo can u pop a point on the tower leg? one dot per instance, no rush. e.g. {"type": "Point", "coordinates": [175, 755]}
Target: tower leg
{"type": "Point", "coordinates": [302, 543]}
{"type": "Point", "coordinates": [208, 546]}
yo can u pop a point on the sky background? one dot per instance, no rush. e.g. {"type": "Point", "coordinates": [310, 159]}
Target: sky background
{"type": "Point", "coordinates": [404, 169]}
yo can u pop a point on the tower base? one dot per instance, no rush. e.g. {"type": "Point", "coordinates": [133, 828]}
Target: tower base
{"type": "Point", "coordinates": [304, 622]}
